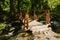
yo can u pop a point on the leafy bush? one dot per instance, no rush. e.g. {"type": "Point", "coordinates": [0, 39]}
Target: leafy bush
{"type": "Point", "coordinates": [2, 26]}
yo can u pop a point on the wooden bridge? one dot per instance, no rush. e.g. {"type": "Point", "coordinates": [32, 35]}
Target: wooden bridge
{"type": "Point", "coordinates": [25, 14]}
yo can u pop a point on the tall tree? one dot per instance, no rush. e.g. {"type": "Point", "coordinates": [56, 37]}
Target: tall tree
{"type": "Point", "coordinates": [13, 9]}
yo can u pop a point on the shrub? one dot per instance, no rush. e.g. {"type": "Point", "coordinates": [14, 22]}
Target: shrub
{"type": "Point", "coordinates": [2, 26]}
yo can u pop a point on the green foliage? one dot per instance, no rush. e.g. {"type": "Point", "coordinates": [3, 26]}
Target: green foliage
{"type": "Point", "coordinates": [5, 5]}
{"type": "Point", "coordinates": [25, 4]}
{"type": "Point", "coordinates": [53, 3]}
{"type": "Point", "coordinates": [2, 26]}
{"type": "Point", "coordinates": [5, 17]}
{"type": "Point", "coordinates": [28, 5]}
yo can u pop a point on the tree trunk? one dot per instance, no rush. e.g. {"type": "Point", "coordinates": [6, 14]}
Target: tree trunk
{"type": "Point", "coordinates": [13, 10]}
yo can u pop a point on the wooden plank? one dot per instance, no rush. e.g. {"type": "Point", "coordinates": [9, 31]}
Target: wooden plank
{"type": "Point", "coordinates": [26, 19]}
{"type": "Point", "coordinates": [47, 16]}
{"type": "Point", "coordinates": [35, 16]}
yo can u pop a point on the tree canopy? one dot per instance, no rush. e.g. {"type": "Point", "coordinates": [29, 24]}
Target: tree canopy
{"type": "Point", "coordinates": [13, 6]}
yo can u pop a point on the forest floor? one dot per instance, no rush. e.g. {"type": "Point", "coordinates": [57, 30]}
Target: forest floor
{"type": "Point", "coordinates": [37, 35]}
{"type": "Point", "coordinates": [26, 36]}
